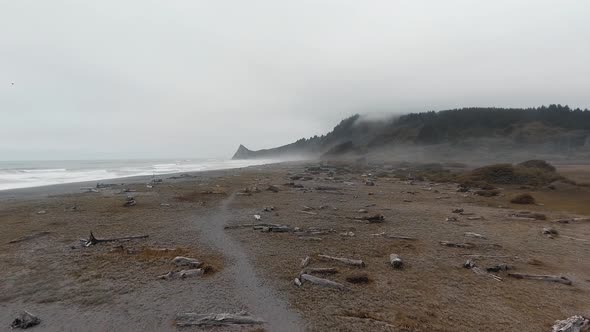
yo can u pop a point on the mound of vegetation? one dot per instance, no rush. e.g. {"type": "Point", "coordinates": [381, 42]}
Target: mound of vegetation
{"type": "Point", "coordinates": [523, 199]}
{"type": "Point", "coordinates": [511, 174]}
{"type": "Point", "coordinates": [540, 164]}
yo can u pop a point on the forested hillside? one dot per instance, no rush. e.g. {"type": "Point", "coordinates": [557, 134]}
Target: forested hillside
{"type": "Point", "coordinates": [553, 128]}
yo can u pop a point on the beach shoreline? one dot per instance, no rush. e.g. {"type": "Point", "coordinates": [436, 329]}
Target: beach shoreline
{"type": "Point", "coordinates": [77, 187]}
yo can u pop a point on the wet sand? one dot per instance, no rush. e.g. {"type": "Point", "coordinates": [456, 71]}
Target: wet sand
{"type": "Point", "coordinates": [114, 286]}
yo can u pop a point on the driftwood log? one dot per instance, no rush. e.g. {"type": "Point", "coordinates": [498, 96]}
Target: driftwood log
{"type": "Point", "coordinates": [186, 261]}
{"type": "Point", "coordinates": [29, 237]}
{"type": "Point", "coordinates": [559, 279]}
{"type": "Point", "coordinates": [223, 319]}
{"type": "Point", "coordinates": [400, 237]}
{"type": "Point", "coordinates": [182, 274]}
{"type": "Point", "coordinates": [277, 229]}
{"type": "Point", "coordinates": [93, 240]}
{"type": "Point", "coordinates": [377, 218]}
{"type": "Point", "coordinates": [308, 212]}
{"type": "Point", "coordinates": [456, 245]}
{"type": "Point", "coordinates": [319, 270]}
{"type": "Point", "coordinates": [348, 261]}
{"type": "Point", "coordinates": [572, 324]}
{"type": "Point", "coordinates": [305, 261]}
{"type": "Point", "coordinates": [321, 282]}
{"type": "Point", "coordinates": [25, 320]}
{"type": "Point", "coordinates": [475, 235]}
{"type": "Point", "coordinates": [396, 261]}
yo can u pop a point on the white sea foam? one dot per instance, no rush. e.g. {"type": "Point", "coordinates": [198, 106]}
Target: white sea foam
{"type": "Point", "coordinates": [15, 175]}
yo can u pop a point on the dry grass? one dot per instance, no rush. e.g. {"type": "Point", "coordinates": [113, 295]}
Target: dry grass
{"type": "Point", "coordinates": [511, 175]}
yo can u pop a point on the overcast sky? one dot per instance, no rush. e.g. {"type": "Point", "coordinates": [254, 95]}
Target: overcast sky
{"type": "Point", "coordinates": [116, 79]}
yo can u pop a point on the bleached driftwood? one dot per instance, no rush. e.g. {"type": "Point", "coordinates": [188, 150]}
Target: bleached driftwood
{"type": "Point", "coordinates": [308, 212]}
{"type": "Point", "coordinates": [276, 229]}
{"type": "Point", "coordinates": [186, 261]}
{"type": "Point", "coordinates": [572, 324]}
{"type": "Point", "coordinates": [559, 279]}
{"type": "Point", "coordinates": [319, 270]}
{"type": "Point", "coordinates": [223, 319]}
{"type": "Point", "coordinates": [348, 261]}
{"type": "Point", "coordinates": [475, 235]}
{"type": "Point", "coordinates": [182, 274]}
{"type": "Point", "coordinates": [470, 264]}
{"type": "Point", "coordinates": [456, 245]}
{"type": "Point", "coordinates": [92, 240]}
{"type": "Point", "coordinates": [297, 282]}
{"type": "Point", "coordinates": [396, 261]}
{"type": "Point", "coordinates": [400, 237]}
{"type": "Point", "coordinates": [305, 261]}
{"type": "Point", "coordinates": [321, 281]}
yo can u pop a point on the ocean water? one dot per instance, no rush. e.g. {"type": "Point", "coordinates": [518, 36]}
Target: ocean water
{"type": "Point", "coordinates": [26, 174]}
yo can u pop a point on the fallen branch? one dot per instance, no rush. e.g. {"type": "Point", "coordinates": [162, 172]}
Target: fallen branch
{"type": "Point", "coordinates": [475, 235]}
{"type": "Point", "coordinates": [92, 240]}
{"type": "Point", "coordinates": [377, 218]}
{"type": "Point", "coordinates": [182, 274]}
{"type": "Point", "coordinates": [308, 212]}
{"type": "Point", "coordinates": [456, 245]}
{"type": "Point", "coordinates": [305, 261]}
{"type": "Point", "coordinates": [348, 261]}
{"type": "Point", "coordinates": [400, 237]}
{"type": "Point", "coordinates": [276, 229]}
{"type": "Point", "coordinates": [223, 319]}
{"type": "Point", "coordinates": [559, 279]}
{"type": "Point", "coordinates": [29, 237]}
{"type": "Point", "coordinates": [321, 282]}
{"type": "Point", "coordinates": [319, 270]}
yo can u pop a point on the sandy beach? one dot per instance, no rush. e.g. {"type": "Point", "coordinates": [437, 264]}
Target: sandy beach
{"type": "Point", "coordinates": [210, 216]}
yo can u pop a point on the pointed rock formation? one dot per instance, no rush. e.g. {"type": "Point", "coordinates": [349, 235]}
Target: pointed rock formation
{"type": "Point", "coordinates": [242, 153]}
